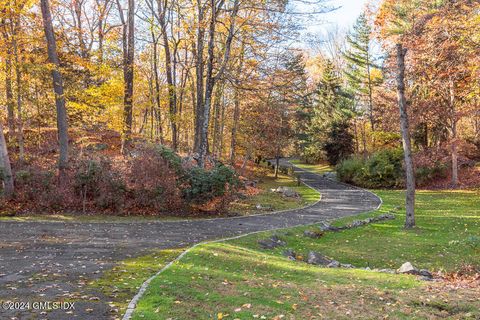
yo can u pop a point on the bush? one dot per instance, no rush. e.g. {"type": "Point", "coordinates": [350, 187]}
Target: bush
{"type": "Point", "coordinates": [203, 186]}
{"type": "Point", "coordinates": [349, 170]}
{"type": "Point", "coordinates": [425, 175]}
{"type": "Point", "coordinates": [97, 181]}
{"type": "Point", "coordinates": [155, 180]}
{"type": "Point", "coordinates": [381, 170]}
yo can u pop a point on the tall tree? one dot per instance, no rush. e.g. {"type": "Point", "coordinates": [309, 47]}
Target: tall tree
{"type": "Point", "coordinates": [360, 61]}
{"type": "Point", "coordinates": [62, 122]}
{"type": "Point", "coordinates": [5, 167]}
{"type": "Point", "coordinates": [128, 48]}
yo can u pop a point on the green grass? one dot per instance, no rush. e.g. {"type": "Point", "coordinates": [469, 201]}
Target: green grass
{"type": "Point", "coordinates": [271, 201]}
{"type": "Point", "coordinates": [237, 280]}
{"type": "Point", "coordinates": [320, 168]}
{"type": "Point", "coordinates": [122, 282]}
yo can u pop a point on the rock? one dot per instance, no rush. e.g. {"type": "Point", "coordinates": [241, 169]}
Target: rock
{"type": "Point", "coordinates": [407, 268]}
{"type": "Point", "coordinates": [278, 240]}
{"type": "Point", "coordinates": [426, 279]}
{"type": "Point", "coordinates": [290, 254]}
{"type": "Point", "coordinates": [346, 266]}
{"type": "Point", "coordinates": [387, 216]}
{"type": "Point", "coordinates": [314, 234]}
{"type": "Point", "coordinates": [330, 175]}
{"type": "Point", "coordinates": [260, 207]}
{"type": "Point", "coordinates": [317, 259]}
{"type": "Point", "coordinates": [287, 192]}
{"type": "Point", "coordinates": [333, 264]}
{"type": "Point", "coordinates": [391, 271]}
{"type": "Point", "coordinates": [425, 273]}
{"type": "Point", "coordinates": [250, 183]}
{"type": "Point", "coordinates": [356, 224]}
{"type": "Point", "coordinates": [324, 226]}
{"type": "Point", "coordinates": [272, 242]}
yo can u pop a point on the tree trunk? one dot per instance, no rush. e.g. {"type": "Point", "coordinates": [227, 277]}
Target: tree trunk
{"type": "Point", "coordinates": [236, 119]}
{"type": "Point", "coordinates": [8, 186]}
{"type": "Point", "coordinates": [454, 136]}
{"type": "Point", "coordinates": [407, 148]}
{"type": "Point", "coordinates": [277, 164]}
{"type": "Point", "coordinates": [9, 95]}
{"type": "Point", "coordinates": [157, 85]}
{"type": "Point", "coordinates": [199, 70]}
{"type": "Point", "coordinates": [62, 122]}
{"type": "Point", "coordinates": [21, 147]}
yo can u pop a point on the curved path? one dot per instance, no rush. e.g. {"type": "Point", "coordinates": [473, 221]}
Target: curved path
{"type": "Point", "coordinates": [50, 261]}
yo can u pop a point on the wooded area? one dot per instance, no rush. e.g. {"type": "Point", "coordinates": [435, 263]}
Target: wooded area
{"type": "Point", "coordinates": [159, 102]}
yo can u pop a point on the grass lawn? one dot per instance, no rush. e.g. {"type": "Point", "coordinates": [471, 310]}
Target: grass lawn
{"type": "Point", "coordinates": [271, 201]}
{"type": "Point", "coordinates": [316, 168]}
{"type": "Point", "coordinates": [122, 282]}
{"type": "Point", "coordinates": [238, 280]}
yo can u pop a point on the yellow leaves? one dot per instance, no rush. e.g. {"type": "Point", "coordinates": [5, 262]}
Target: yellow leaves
{"type": "Point", "coordinates": [220, 316]}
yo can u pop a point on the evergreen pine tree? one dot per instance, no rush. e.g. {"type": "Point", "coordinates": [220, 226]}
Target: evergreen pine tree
{"type": "Point", "coordinates": [360, 64]}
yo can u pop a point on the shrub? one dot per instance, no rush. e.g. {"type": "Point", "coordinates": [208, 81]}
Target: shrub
{"type": "Point", "coordinates": [350, 170]}
{"type": "Point", "coordinates": [203, 186]}
{"type": "Point", "coordinates": [381, 170]}
{"type": "Point", "coordinates": [154, 180]}
{"type": "Point", "coordinates": [425, 175]}
{"type": "Point", "coordinates": [96, 180]}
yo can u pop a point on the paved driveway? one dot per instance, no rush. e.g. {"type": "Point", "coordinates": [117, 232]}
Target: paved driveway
{"type": "Point", "coordinates": [50, 261]}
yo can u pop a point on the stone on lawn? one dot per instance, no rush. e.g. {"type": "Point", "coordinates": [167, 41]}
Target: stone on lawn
{"type": "Point", "coordinates": [314, 234]}
{"type": "Point", "coordinates": [407, 268]}
{"type": "Point", "coordinates": [333, 264]}
{"type": "Point", "coordinates": [272, 242]}
{"type": "Point", "coordinates": [356, 223]}
{"type": "Point", "coordinates": [324, 226]}
{"type": "Point", "coordinates": [317, 259]}
{"type": "Point", "coordinates": [346, 265]}
{"type": "Point", "coordinates": [290, 254]}
{"type": "Point", "coordinates": [391, 271]}
{"type": "Point", "coordinates": [425, 273]}
{"type": "Point", "coordinates": [287, 192]}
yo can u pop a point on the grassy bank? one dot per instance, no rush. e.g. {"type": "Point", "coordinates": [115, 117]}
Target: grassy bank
{"type": "Point", "coordinates": [316, 168]}
{"type": "Point", "coordinates": [238, 280]}
{"type": "Point", "coordinates": [272, 201]}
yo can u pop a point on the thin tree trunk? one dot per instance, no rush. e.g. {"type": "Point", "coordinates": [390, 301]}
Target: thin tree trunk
{"type": "Point", "coordinates": [454, 136]}
{"type": "Point", "coordinates": [21, 148]}
{"type": "Point", "coordinates": [8, 186]}
{"type": "Point", "coordinates": [62, 122]}
{"type": "Point", "coordinates": [9, 95]}
{"type": "Point", "coordinates": [236, 120]}
{"type": "Point", "coordinates": [199, 70]}
{"type": "Point", "coordinates": [157, 85]}
{"type": "Point", "coordinates": [128, 39]}
{"type": "Point", "coordinates": [277, 163]}
{"type": "Point", "coordinates": [407, 148]}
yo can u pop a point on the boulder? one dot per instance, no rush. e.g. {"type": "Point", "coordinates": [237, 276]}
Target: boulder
{"type": "Point", "coordinates": [272, 243]}
{"type": "Point", "coordinates": [287, 192]}
{"type": "Point", "coordinates": [407, 268]}
{"type": "Point", "coordinates": [390, 271]}
{"type": "Point", "coordinates": [425, 274]}
{"type": "Point", "coordinates": [333, 264]}
{"type": "Point", "coordinates": [314, 234]}
{"type": "Point", "coordinates": [356, 224]}
{"type": "Point", "coordinates": [317, 259]}
{"type": "Point", "coordinates": [346, 265]}
{"type": "Point", "coordinates": [290, 254]}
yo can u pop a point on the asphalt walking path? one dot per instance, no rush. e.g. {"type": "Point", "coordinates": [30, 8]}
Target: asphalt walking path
{"type": "Point", "coordinates": [54, 261]}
